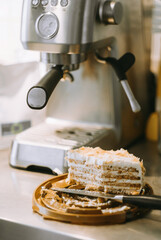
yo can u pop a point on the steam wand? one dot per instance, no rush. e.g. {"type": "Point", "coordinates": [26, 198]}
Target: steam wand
{"type": "Point", "coordinates": [121, 66]}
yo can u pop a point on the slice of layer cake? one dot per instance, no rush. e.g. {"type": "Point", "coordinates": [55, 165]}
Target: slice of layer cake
{"type": "Point", "coordinates": [117, 172]}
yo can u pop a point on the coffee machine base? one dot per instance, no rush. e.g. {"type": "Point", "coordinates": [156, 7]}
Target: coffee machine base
{"type": "Point", "coordinates": [45, 145]}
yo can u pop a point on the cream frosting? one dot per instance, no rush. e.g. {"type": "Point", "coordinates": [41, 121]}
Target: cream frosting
{"type": "Point", "coordinates": [99, 156]}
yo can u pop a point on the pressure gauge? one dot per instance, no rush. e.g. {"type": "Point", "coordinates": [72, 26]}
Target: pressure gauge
{"type": "Point", "coordinates": [47, 25]}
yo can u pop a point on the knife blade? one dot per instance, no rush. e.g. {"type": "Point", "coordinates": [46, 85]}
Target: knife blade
{"type": "Point", "coordinates": [144, 201]}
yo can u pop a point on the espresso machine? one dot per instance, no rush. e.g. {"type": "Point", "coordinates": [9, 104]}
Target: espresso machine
{"type": "Point", "coordinates": [96, 54]}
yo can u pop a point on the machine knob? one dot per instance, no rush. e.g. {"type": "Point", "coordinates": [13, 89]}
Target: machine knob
{"type": "Point", "coordinates": [110, 12]}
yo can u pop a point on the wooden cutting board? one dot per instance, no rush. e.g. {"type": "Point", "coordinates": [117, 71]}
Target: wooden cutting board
{"type": "Point", "coordinates": [91, 211]}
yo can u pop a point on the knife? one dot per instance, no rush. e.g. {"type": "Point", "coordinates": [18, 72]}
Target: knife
{"type": "Point", "coordinates": [144, 201]}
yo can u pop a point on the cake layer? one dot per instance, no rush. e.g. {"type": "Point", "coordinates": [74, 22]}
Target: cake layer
{"type": "Point", "coordinates": [103, 180]}
{"type": "Point", "coordinates": [74, 163]}
{"type": "Point", "coordinates": [106, 181]}
{"type": "Point", "coordinates": [107, 172]}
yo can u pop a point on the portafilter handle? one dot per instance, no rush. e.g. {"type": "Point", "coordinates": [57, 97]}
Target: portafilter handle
{"type": "Point", "coordinates": [39, 94]}
{"type": "Point", "coordinates": [121, 66]}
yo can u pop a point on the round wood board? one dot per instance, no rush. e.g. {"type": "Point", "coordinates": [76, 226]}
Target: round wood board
{"type": "Point", "coordinates": [81, 215]}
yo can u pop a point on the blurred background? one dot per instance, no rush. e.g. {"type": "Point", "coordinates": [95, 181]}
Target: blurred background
{"type": "Point", "coordinates": [19, 69]}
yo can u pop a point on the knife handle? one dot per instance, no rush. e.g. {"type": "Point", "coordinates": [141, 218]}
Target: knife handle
{"type": "Point", "coordinates": [149, 201]}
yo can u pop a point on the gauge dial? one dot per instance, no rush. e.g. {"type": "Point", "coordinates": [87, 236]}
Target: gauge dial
{"type": "Point", "coordinates": [47, 25]}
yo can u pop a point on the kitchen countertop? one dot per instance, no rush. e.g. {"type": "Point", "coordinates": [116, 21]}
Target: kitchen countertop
{"type": "Point", "coordinates": [18, 221]}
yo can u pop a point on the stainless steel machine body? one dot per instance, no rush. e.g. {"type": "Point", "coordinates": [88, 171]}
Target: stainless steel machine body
{"type": "Point", "coordinates": [93, 109]}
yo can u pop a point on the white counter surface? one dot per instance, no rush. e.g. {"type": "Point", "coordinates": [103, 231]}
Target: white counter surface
{"type": "Point", "coordinates": [19, 222]}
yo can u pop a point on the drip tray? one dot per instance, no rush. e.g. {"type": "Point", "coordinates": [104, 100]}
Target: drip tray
{"type": "Point", "coordinates": [45, 145]}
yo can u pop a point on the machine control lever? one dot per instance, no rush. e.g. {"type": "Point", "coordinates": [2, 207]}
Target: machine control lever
{"type": "Point", "coordinates": [121, 66]}
{"type": "Point", "coordinates": [39, 94]}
